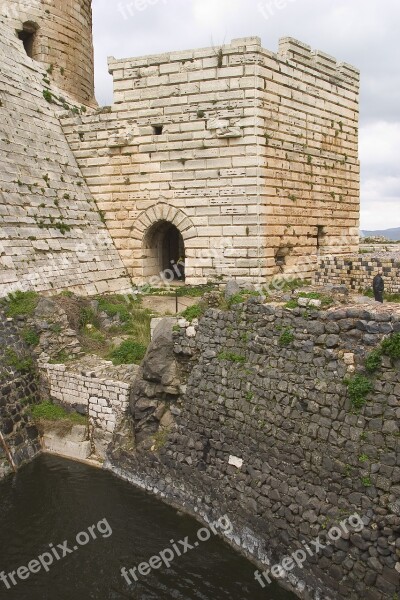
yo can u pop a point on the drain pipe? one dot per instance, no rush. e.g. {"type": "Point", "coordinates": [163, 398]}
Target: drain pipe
{"type": "Point", "coordinates": [8, 453]}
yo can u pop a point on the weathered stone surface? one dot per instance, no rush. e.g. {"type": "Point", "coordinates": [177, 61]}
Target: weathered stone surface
{"type": "Point", "coordinates": [20, 438]}
{"type": "Point", "coordinates": [240, 226]}
{"type": "Point", "coordinates": [159, 364]}
{"type": "Point", "coordinates": [269, 437]}
{"type": "Point", "coordinates": [75, 444]}
{"type": "Point", "coordinates": [53, 237]}
{"type": "Point", "coordinates": [357, 272]}
{"type": "Point", "coordinates": [232, 288]}
{"type": "Point", "coordinates": [62, 42]}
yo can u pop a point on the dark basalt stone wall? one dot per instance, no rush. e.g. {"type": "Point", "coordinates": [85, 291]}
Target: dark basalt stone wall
{"type": "Point", "coordinates": [19, 442]}
{"type": "Point", "coordinates": [264, 388]}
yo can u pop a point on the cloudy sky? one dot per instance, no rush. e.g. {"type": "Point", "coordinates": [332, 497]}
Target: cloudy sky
{"type": "Point", "coordinates": [364, 33]}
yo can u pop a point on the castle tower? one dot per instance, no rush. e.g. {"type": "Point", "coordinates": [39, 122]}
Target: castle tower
{"type": "Point", "coordinates": [57, 33]}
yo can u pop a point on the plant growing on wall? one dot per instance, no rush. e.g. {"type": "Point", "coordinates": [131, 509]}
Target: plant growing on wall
{"type": "Point", "coordinates": [358, 388]}
{"type": "Point", "coordinates": [286, 337]}
{"type": "Point", "coordinates": [232, 357]}
{"type": "Point", "coordinates": [373, 361]}
{"type": "Point", "coordinates": [391, 346]}
{"type": "Point", "coordinates": [48, 96]}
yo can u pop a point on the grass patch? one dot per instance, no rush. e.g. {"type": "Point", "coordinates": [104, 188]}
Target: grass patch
{"type": "Point", "coordinates": [139, 325]}
{"type": "Point", "coordinates": [286, 285]}
{"type": "Point", "coordinates": [48, 416]}
{"type": "Point", "coordinates": [358, 388]}
{"type": "Point", "coordinates": [61, 358]}
{"type": "Point", "coordinates": [391, 346]}
{"type": "Point", "coordinates": [47, 411]}
{"type": "Point", "coordinates": [21, 304]}
{"type": "Point", "coordinates": [286, 338]}
{"type": "Point", "coordinates": [88, 316]}
{"type": "Point", "coordinates": [241, 297]}
{"type": "Point", "coordinates": [21, 363]}
{"type": "Point", "coordinates": [189, 291]}
{"type": "Point", "coordinates": [115, 306]}
{"type": "Point", "coordinates": [93, 341]}
{"type": "Point", "coordinates": [193, 312]}
{"type": "Point", "coordinates": [232, 357]}
{"type": "Point", "coordinates": [160, 438]}
{"type": "Point", "coordinates": [366, 481]}
{"type": "Point", "coordinates": [325, 300]}
{"type": "Point", "coordinates": [129, 352]}
{"type": "Point", "coordinates": [373, 362]}
{"type": "Point", "coordinates": [48, 96]}
{"type": "Point", "coordinates": [30, 337]}
{"type": "Point", "coordinates": [292, 304]}
{"type": "Point", "coordinates": [95, 335]}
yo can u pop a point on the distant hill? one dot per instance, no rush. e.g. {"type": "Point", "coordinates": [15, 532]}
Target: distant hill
{"type": "Point", "coordinates": [390, 234]}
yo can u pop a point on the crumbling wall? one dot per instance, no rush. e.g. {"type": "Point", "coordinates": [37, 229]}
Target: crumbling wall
{"type": "Point", "coordinates": [19, 438]}
{"type": "Point", "coordinates": [93, 387]}
{"type": "Point", "coordinates": [358, 271]}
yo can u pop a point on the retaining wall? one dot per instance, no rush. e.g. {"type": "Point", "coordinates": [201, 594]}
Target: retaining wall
{"type": "Point", "coordinates": [265, 432]}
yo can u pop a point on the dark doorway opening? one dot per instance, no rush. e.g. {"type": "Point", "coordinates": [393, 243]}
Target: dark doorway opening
{"type": "Point", "coordinates": [173, 250]}
{"type": "Point", "coordinates": [320, 236]}
{"type": "Point", "coordinates": [165, 252]}
{"type": "Point", "coordinates": [28, 35]}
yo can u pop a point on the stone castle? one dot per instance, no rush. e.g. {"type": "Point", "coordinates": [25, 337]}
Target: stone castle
{"type": "Point", "coordinates": [236, 161]}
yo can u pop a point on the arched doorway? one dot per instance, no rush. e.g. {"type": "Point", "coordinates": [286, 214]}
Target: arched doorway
{"type": "Point", "coordinates": [164, 252]}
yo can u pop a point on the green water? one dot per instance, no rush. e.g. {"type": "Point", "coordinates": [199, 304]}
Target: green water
{"type": "Point", "coordinates": [52, 500]}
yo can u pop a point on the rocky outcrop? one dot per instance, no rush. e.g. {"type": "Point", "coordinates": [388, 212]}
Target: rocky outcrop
{"type": "Point", "coordinates": [157, 389]}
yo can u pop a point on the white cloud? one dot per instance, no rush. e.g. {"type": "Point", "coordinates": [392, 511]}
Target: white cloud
{"type": "Point", "coordinates": [380, 190]}
{"type": "Point", "coordinates": [381, 205]}
{"type": "Point", "coordinates": [212, 12]}
{"type": "Point", "coordinates": [380, 145]}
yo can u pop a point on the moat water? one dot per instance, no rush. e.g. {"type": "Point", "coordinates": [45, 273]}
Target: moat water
{"type": "Point", "coordinates": [53, 501]}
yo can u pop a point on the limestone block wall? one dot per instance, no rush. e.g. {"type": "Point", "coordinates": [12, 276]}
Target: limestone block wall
{"type": "Point", "coordinates": [251, 155]}
{"type": "Point", "coordinates": [311, 172]}
{"type": "Point", "coordinates": [51, 233]}
{"type": "Point", "coordinates": [93, 387]}
{"type": "Point", "coordinates": [62, 41]}
{"type": "Point", "coordinates": [179, 145]}
{"type": "Point", "coordinates": [357, 271]}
